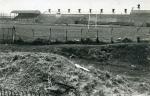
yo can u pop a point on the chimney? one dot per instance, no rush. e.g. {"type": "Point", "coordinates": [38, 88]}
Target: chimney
{"type": "Point", "coordinates": [90, 10]}
{"type": "Point", "coordinates": [139, 6]}
{"type": "Point", "coordinates": [101, 10]}
{"type": "Point", "coordinates": [49, 10]}
{"type": "Point", "coordinates": [113, 10]}
{"type": "Point", "coordinates": [58, 10]}
{"type": "Point", "coordinates": [79, 10]}
{"type": "Point", "coordinates": [125, 11]}
{"type": "Point", "coordinates": [69, 10]}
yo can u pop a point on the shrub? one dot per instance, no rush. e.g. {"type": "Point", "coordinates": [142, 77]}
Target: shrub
{"type": "Point", "coordinates": [57, 42]}
{"type": "Point", "coordinates": [126, 40]}
{"type": "Point", "coordinates": [147, 24]}
{"type": "Point", "coordinates": [19, 41]}
{"type": "Point", "coordinates": [40, 41]}
{"type": "Point", "coordinates": [88, 41]}
{"type": "Point", "coordinates": [97, 40]}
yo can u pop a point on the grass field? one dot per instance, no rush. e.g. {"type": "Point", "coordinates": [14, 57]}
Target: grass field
{"type": "Point", "coordinates": [31, 32]}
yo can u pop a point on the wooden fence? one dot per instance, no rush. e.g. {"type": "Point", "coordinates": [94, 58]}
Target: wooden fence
{"type": "Point", "coordinates": [7, 35]}
{"type": "Point", "coordinates": [105, 34]}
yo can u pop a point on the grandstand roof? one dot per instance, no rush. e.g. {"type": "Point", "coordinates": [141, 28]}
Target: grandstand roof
{"type": "Point", "coordinates": [140, 12]}
{"type": "Point", "coordinates": [26, 11]}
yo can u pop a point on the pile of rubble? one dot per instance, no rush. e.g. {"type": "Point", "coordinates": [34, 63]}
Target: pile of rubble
{"type": "Point", "coordinates": [56, 75]}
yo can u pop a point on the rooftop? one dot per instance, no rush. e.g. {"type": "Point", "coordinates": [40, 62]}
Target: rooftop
{"type": "Point", "coordinates": [26, 11]}
{"type": "Point", "coordinates": [140, 12]}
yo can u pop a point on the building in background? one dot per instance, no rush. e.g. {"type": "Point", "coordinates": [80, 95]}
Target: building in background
{"type": "Point", "coordinates": [30, 16]}
{"type": "Point", "coordinates": [140, 17]}
{"type": "Point", "coordinates": [135, 18]}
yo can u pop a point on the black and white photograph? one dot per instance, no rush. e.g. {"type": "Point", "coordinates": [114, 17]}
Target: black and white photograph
{"type": "Point", "coordinates": [74, 47]}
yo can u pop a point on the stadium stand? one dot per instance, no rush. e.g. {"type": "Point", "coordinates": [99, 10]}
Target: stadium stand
{"type": "Point", "coordinates": [26, 15]}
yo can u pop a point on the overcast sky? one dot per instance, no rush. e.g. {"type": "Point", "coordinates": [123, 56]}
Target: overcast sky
{"type": "Point", "coordinates": [43, 5]}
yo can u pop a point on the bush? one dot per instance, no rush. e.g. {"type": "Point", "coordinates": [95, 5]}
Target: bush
{"type": "Point", "coordinates": [87, 41]}
{"type": "Point", "coordinates": [40, 41]}
{"type": "Point", "coordinates": [81, 21]}
{"type": "Point", "coordinates": [147, 24]}
{"type": "Point", "coordinates": [135, 54]}
{"type": "Point", "coordinates": [19, 41]}
{"type": "Point", "coordinates": [6, 41]}
{"type": "Point", "coordinates": [97, 40]}
{"type": "Point", "coordinates": [73, 42]}
{"type": "Point", "coordinates": [126, 40]}
{"type": "Point", "coordinates": [57, 42]}
{"type": "Point", "coordinates": [116, 23]}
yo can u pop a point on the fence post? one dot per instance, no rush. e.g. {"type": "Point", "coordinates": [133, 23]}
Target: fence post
{"type": "Point", "coordinates": [8, 35]}
{"type": "Point", "coordinates": [97, 37]}
{"type": "Point", "coordinates": [112, 41]}
{"type": "Point", "coordinates": [87, 33]}
{"type": "Point", "coordinates": [66, 35]}
{"type": "Point", "coordinates": [14, 34]}
{"type": "Point", "coordinates": [3, 34]}
{"type": "Point", "coordinates": [138, 37]}
{"type": "Point", "coordinates": [50, 33]}
{"type": "Point", "coordinates": [11, 35]}
{"type": "Point", "coordinates": [97, 34]}
{"type": "Point", "coordinates": [81, 35]}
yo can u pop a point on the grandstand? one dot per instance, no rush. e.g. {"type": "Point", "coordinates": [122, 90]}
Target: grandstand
{"type": "Point", "coordinates": [141, 17]}
{"type": "Point", "coordinates": [135, 18]}
{"type": "Point", "coordinates": [26, 15]}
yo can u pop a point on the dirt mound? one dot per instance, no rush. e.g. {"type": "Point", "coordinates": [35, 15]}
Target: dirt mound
{"type": "Point", "coordinates": [56, 75]}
